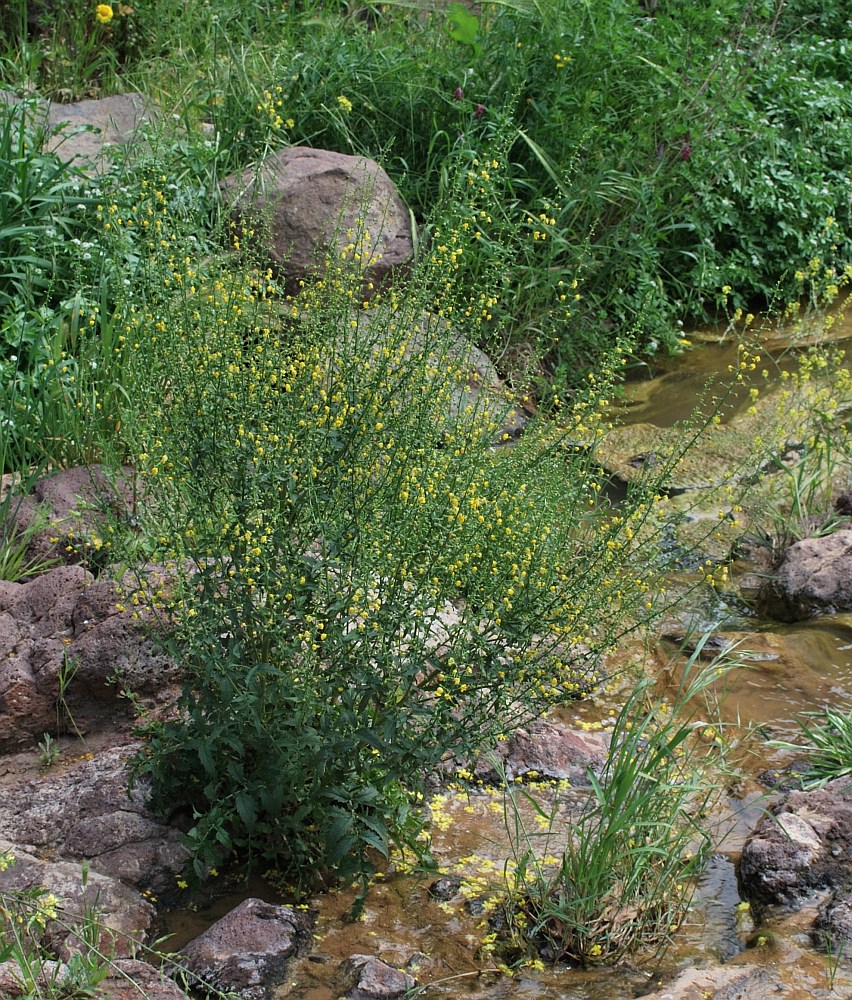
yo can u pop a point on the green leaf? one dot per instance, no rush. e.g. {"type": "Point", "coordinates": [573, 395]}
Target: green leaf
{"type": "Point", "coordinates": [464, 27]}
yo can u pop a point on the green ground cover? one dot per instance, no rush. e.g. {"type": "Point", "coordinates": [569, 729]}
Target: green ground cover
{"type": "Point", "coordinates": [599, 172]}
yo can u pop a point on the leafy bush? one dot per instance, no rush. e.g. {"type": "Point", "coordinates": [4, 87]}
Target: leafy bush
{"type": "Point", "coordinates": [359, 583]}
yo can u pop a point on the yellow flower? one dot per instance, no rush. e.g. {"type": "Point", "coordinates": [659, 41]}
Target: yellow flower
{"type": "Point", "coordinates": [103, 12]}
{"type": "Point", "coordinates": [344, 103]}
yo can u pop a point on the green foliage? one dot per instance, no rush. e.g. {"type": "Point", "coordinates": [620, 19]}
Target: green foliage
{"type": "Point", "coordinates": [658, 155]}
{"type": "Point", "coordinates": [359, 582]}
{"type": "Point", "coordinates": [630, 864]}
{"type": "Point", "coordinates": [776, 198]}
{"type": "Point", "coordinates": [47, 250]}
{"type": "Point", "coordinates": [827, 745]}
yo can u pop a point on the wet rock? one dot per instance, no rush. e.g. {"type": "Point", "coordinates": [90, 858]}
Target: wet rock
{"type": "Point", "coordinates": [815, 577]}
{"type": "Point", "coordinates": [85, 812]}
{"type": "Point", "coordinates": [249, 948]}
{"type": "Point", "coordinates": [552, 751]}
{"type": "Point", "coordinates": [723, 982]}
{"type": "Point", "coordinates": [833, 923]}
{"type": "Point", "coordinates": [122, 912]}
{"type": "Point", "coordinates": [805, 845]}
{"type": "Point", "coordinates": [313, 201]}
{"type": "Point", "coordinates": [130, 979]}
{"type": "Point", "coordinates": [368, 978]}
{"type": "Point", "coordinates": [843, 504]}
{"type": "Point", "coordinates": [445, 889]}
{"type": "Point", "coordinates": [90, 127]}
{"type": "Point", "coordinates": [64, 624]}
{"type": "Point", "coordinates": [785, 779]}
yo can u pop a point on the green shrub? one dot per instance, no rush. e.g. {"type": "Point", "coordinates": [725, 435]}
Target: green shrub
{"type": "Point", "coordinates": [359, 583]}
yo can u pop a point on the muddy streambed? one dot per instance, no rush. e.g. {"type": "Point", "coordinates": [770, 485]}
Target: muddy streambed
{"type": "Point", "coordinates": [789, 670]}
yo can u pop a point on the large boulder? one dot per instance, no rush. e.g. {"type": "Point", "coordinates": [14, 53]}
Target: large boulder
{"type": "Point", "coordinates": [475, 387]}
{"type": "Point", "coordinates": [123, 915]}
{"type": "Point", "coordinates": [815, 577]}
{"type": "Point", "coordinates": [249, 949]}
{"type": "Point", "coordinates": [84, 131]}
{"type": "Point", "coordinates": [802, 847]}
{"type": "Point", "coordinates": [66, 628]}
{"type": "Point", "coordinates": [308, 202]}
{"type": "Point", "coordinates": [84, 811]}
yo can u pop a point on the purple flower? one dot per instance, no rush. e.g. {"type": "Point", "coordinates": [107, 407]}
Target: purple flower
{"type": "Point", "coordinates": [686, 152]}
{"type": "Point", "coordinates": [458, 94]}
{"type": "Point", "coordinates": [480, 110]}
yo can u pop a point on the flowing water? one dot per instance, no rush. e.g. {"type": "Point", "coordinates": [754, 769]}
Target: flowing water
{"type": "Point", "coordinates": [790, 669]}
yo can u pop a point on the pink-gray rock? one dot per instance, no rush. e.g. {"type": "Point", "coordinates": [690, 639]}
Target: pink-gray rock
{"type": "Point", "coordinates": [552, 750]}
{"type": "Point", "coordinates": [84, 811]}
{"type": "Point", "coordinates": [68, 512]}
{"type": "Point", "coordinates": [49, 978]}
{"type": "Point", "coordinates": [367, 978]}
{"type": "Point", "coordinates": [90, 127]}
{"type": "Point", "coordinates": [247, 951]}
{"type": "Point", "coordinates": [723, 982]}
{"type": "Point", "coordinates": [815, 577]}
{"type": "Point", "coordinates": [123, 913]}
{"type": "Point", "coordinates": [310, 202]}
{"type": "Point", "coordinates": [478, 388]}
{"type": "Point", "coordinates": [64, 623]}
{"type": "Point", "coordinates": [804, 846]}
{"type": "Point", "coordinates": [130, 979]}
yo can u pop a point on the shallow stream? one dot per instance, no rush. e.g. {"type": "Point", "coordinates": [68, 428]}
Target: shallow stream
{"type": "Point", "coordinates": [791, 669]}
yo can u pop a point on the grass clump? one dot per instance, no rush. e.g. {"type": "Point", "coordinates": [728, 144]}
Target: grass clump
{"type": "Point", "coordinates": [624, 873]}
{"type": "Point", "coordinates": [826, 744]}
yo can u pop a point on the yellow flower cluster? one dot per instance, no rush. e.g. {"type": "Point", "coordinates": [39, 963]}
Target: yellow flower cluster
{"type": "Point", "coordinates": [272, 106]}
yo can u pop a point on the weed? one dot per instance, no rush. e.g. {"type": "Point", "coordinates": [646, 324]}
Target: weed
{"type": "Point", "coordinates": [296, 482]}
{"type": "Point", "coordinates": [65, 675]}
{"type": "Point", "coordinates": [626, 869]}
{"type": "Point", "coordinates": [48, 751]}
{"type": "Point", "coordinates": [827, 745]}
{"type": "Point", "coordinates": [16, 562]}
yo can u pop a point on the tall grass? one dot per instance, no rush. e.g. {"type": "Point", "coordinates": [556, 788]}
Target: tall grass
{"type": "Point", "coordinates": [627, 868]}
{"type": "Point", "coordinates": [657, 157]}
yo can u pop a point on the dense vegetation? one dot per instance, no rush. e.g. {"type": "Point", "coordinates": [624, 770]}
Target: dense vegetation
{"type": "Point", "coordinates": [669, 159]}
{"type": "Point", "coordinates": [358, 582]}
